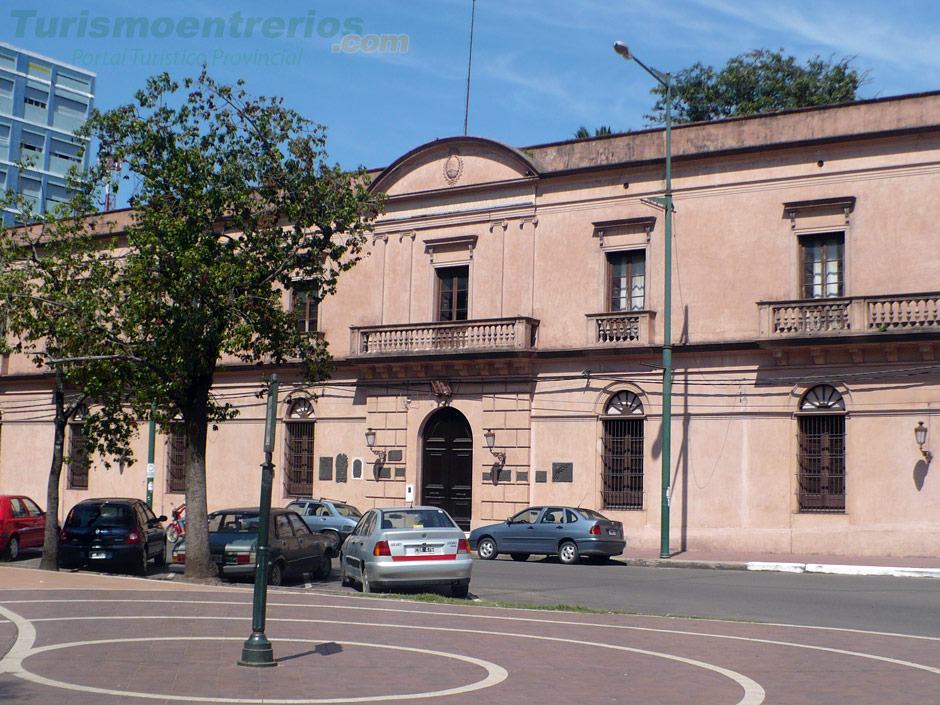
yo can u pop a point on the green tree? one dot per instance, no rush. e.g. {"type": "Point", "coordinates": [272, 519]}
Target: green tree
{"type": "Point", "coordinates": [582, 132]}
{"type": "Point", "coordinates": [757, 82]}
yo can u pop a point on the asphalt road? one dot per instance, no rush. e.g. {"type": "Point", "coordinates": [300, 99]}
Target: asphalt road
{"type": "Point", "coordinates": [883, 604]}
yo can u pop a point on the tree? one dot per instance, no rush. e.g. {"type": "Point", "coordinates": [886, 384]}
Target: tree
{"type": "Point", "coordinates": [233, 203]}
{"type": "Point", "coordinates": [754, 83]}
{"type": "Point", "coordinates": [582, 132]}
{"type": "Point", "coordinates": [54, 276]}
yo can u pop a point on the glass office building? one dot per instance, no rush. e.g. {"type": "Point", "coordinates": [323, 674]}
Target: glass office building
{"type": "Point", "coordinates": [42, 103]}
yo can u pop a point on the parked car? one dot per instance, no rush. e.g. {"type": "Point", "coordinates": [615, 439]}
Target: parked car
{"type": "Point", "coordinates": [567, 532]}
{"type": "Point", "coordinates": [233, 545]}
{"type": "Point", "coordinates": [112, 531]}
{"type": "Point", "coordinates": [22, 525]}
{"type": "Point", "coordinates": [330, 516]}
{"type": "Point", "coordinates": [409, 547]}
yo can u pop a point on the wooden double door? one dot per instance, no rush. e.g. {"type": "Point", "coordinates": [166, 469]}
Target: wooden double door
{"type": "Point", "coordinates": [447, 465]}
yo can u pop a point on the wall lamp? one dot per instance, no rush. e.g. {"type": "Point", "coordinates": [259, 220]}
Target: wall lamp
{"type": "Point", "coordinates": [490, 436]}
{"type": "Point", "coordinates": [370, 443]}
{"type": "Point", "coordinates": [920, 435]}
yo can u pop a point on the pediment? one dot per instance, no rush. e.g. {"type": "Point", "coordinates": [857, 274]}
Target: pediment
{"type": "Point", "coordinates": [454, 162]}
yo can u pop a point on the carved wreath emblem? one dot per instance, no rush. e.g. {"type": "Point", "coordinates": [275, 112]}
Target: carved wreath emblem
{"type": "Point", "coordinates": [453, 167]}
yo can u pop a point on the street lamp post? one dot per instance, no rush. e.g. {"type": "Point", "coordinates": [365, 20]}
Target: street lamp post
{"type": "Point", "coordinates": [666, 202]}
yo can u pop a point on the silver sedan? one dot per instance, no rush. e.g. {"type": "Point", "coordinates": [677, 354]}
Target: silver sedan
{"type": "Point", "coordinates": [407, 547]}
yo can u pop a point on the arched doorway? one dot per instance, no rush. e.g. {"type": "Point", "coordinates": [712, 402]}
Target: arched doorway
{"type": "Point", "coordinates": [447, 465]}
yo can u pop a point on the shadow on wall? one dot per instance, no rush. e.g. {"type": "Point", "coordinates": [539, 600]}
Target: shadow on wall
{"type": "Point", "coordinates": [920, 474]}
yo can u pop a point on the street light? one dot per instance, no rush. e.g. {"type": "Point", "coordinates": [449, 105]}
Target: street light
{"type": "Point", "coordinates": [666, 204]}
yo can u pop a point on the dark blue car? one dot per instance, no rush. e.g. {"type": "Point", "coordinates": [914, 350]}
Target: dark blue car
{"type": "Point", "coordinates": [567, 532]}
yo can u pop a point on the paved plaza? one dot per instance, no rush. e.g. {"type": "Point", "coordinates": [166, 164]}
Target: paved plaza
{"type": "Point", "coordinates": [87, 639]}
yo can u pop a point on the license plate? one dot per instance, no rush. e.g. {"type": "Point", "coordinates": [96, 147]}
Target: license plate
{"type": "Point", "coordinates": [97, 555]}
{"type": "Point", "coordinates": [612, 532]}
{"type": "Point", "coordinates": [422, 549]}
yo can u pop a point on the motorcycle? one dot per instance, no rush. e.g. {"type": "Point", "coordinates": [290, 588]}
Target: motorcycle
{"type": "Point", "coordinates": [177, 527]}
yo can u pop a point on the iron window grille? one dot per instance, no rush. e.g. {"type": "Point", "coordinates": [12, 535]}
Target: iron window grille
{"type": "Point", "coordinates": [821, 442]}
{"type": "Point", "coordinates": [79, 460]}
{"type": "Point", "coordinates": [177, 450]}
{"type": "Point", "coordinates": [299, 453]}
{"type": "Point", "coordinates": [622, 461]}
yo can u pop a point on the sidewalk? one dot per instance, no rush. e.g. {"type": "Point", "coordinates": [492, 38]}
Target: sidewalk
{"type": "Point", "coordinates": [905, 567]}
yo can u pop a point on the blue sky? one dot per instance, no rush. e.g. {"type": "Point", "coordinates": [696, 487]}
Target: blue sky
{"type": "Point", "coordinates": [541, 68]}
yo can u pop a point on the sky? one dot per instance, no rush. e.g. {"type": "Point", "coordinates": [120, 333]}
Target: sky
{"type": "Point", "coordinates": [540, 68]}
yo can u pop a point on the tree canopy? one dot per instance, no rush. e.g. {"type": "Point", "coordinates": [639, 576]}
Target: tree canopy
{"type": "Point", "coordinates": [582, 132]}
{"type": "Point", "coordinates": [757, 82]}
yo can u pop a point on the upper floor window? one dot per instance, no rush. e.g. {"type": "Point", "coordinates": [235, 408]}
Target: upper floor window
{"type": "Point", "coordinates": [823, 260]}
{"type": "Point", "coordinates": [821, 427]}
{"type": "Point", "coordinates": [305, 305]}
{"type": "Point", "coordinates": [79, 457]}
{"type": "Point", "coordinates": [453, 293]}
{"type": "Point", "coordinates": [626, 281]}
{"type": "Point", "coordinates": [622, 461]}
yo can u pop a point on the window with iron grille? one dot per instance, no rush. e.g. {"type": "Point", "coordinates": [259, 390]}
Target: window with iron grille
{"type": "Point", "coordinates": [622, 461]}
{"type": "Point", "coordinates": [821, 482]}
{"type": "Point", "coordinates": [305, 305]}
{"type": "Point", "coordinates": [299, 460]}
{"type": "Point", "coordinates": [823, 260]}
{"type": "Point", "coordinates": [177, 450]}
{"type": "Point", "coordinates": [79, 460]}
{"type": "Point", "coordinates": [626, 281]}
{"type": "Point", "coordinates": [453, 293]}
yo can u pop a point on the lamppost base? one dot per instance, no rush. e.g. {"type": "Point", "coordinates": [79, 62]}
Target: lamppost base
{"type": "Point", "coordinates": [257, 651]}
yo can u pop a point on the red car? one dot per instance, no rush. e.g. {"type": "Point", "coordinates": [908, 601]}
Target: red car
{"type": "Point", "coordinates": [22, 525]}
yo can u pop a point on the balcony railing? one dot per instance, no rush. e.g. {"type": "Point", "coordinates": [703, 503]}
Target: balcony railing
{"type": "Point", "coordinates": [850, 315]}
{"type": "Point", "coordinates": [446, 337]}
{"type": "Point", "coordinates": [624, 327]}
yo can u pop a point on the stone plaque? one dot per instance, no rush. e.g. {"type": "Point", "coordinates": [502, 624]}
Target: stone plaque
{"type": "Point", "coordinates": [385, 473]}
{"type": "Point", "coordinates": [399, 472]}
{"type": "Point", "coordinates": [522, 475]}
{"type": "Point", "coordinates": [342, 467]}
{"type": "Point", "coordinates": [394, 456]}
{"type": "Point", "coordinates": [562, 472]}
{"type": "Point", "coordinates": [487, 477]}
{"type": "Point", "coordinates": [541, 476]}
{"type": "Point", "coordinates": [326, 468]}
{"type": "Point", "coordinates": [357, 469]}
{"type": "Point", "coordinates": [505, 475]}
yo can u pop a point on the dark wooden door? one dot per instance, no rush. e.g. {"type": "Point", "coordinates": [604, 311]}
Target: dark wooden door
{"type": "Point", "coordinates": [447, 467]}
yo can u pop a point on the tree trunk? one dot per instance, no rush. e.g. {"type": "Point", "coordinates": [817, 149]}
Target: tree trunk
{"type": "Point", "coordinates": [50, 544]}
{"type": "Point", "coordinates": [199, 563]}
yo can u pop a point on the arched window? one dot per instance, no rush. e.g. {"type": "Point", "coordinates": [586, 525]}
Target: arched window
{"type": "Point", "coordinates": [622, 462]}
{"type": "Point", "coordinates": [298, 463]}
{"type": "Point", "coordinates": [821, 423]}
{"type": "Point", "coordinates": [79, 459]}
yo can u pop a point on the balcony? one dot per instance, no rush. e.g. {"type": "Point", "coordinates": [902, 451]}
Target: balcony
{"type": "Point", "coordinates": [480, 335]}
{"type": "Point", "coordinates": [855, 315]}
{"type": "Point", "coordinates": [619, 328]}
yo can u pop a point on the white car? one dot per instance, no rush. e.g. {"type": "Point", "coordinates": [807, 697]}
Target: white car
{"type": "Point", "coordinates": [407, 547]}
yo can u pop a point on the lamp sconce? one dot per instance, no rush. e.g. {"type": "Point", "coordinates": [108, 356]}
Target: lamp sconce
{"type": "Point", "coordinates": [920, 435]}
{"type": "Point", "coordinates": [490, 436]}
{"type": "Point", "coordinates": [370, 443]}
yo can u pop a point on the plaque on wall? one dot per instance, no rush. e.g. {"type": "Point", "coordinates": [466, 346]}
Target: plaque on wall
{"type": "Point", "coordinates": [326, 467]}
{"type": "Point", "coordinates": [541, 476]}
{"type": "Point", "coordinates": [395, 456]}
{"type": "Point", "coordinates": [385, 473]}
{"type": "Point", "coordinates": [562, 472]}
{"type": "Point", "coordinates": [342, 467]}
{"type": "Point", "coordinates": [522, 475]}
{"type": "Point", "coordinates": [357, 469]}
{"type": "Point", "coordinates": [399, 472]}
{"type": "Point", "coordinates": [505, 475]}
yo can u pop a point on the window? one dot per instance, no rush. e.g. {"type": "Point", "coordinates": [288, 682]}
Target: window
{"type": "Point", "coordinates": [298, 464]}
{"type": "Point", "coordinates": [306, 308]}
{"type": "Point", "coordinates": [79, 459]}
{"type": "Point", "coordinates": [622, 462]}
{"type": "Point", "coordinates": [822, 265]}
{"type": "Point", "coordinates": [822, 451]}
{"type": "Point", "coordinates": [453, 290]}
{"type": "Point", "coordinates": [177, 450]}
{"type": "Point", "coordinates": [626, 281]}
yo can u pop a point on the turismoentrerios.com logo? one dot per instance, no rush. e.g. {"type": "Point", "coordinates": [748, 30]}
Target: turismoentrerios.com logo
{"type": "Point", "coordinates": [348, 32]}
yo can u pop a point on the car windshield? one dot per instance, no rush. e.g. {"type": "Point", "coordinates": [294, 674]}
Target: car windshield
{"type": "Point", "coordinates": [591, 514]}
{"type": "Point", "coordinates": [347, 510]}
{"type": "Point", "coordinates": [234, 522]}
{"type": "Point", "coordinates": [86, 515]}
{"type": "Point", "coordinates": [417, 519]}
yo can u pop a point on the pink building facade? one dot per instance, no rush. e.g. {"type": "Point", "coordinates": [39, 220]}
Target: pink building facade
{"type": "Point", "coordinates": [502, 342]}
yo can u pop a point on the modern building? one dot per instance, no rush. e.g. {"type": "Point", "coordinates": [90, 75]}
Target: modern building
{"type": "Point", "coordinates": [500, 344]}
{"type": "Point", "coordinates": [42, 102]}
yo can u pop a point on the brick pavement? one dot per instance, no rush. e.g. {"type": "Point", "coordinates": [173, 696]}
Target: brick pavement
{"type": "Point", "coordinates": [83, 639]}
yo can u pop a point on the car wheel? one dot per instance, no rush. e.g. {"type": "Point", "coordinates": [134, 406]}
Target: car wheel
{"type": "Point", "coordinates": [172, 535]}
{"type": "Point", "coordinates": [324, 567]}
{"type": "Point", "coordinates": [344, 579]}
{"type": "Point", "coordinates": [13, 548]}
{"type": "Point", "coordinates": [276, 574]}
{"type": "Point", "coordinates": [460, 590]}
{"type": "Point", "coordinates": [486, 549]}
{"type": "Point", "coordinates": [568, 552]}
{"type": "Point", "coordinates": [160, 558]}
{"type": "Point", "coordinates": [366, 588]}
{"type": "Point", "coordinates": [332, 536]}
{"type": "Point", "coordinates": [141, 561]}
{"type": "Point", "coordinates": [520, 556]}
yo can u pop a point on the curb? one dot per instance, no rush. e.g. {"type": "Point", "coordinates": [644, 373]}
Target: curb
{"type": "Point", "coordinates": [780, 567]}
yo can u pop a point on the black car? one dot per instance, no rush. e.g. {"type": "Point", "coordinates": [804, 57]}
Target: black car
{"type": "Point", "coordinates": [233, 545]}
{"type": "Point", "coordinates": [112, 532]}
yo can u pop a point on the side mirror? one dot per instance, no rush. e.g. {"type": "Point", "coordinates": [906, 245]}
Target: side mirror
{"type": "Point", "coordinates": [161, 518]}
{"type": "Point", "coordinates": [508, 521]}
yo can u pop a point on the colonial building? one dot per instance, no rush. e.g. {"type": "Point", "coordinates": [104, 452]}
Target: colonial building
{"type": "Point", "coordinates": [501, 344]}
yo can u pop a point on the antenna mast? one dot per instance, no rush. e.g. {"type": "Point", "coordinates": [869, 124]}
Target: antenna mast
{"type": "Point", "coordinates": [466, 114]}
